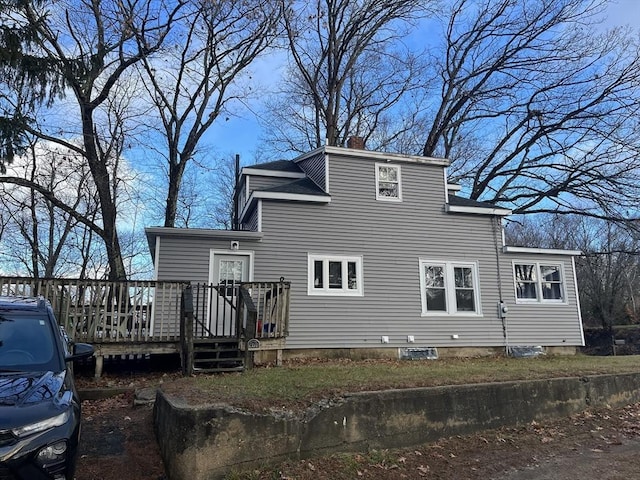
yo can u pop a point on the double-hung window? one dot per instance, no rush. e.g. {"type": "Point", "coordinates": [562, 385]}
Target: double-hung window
{"type": "Point", "coordinates": [449, 288]}
{"type": "Point", "coordinates": [538, 282]}
{"type": "Point", "coordinates": [388, 182]}
{"type": "Point", "coordinates": [335, 275]}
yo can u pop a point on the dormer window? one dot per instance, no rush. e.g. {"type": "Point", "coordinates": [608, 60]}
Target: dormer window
{"type": "Point", "coordinates": [388, 182]}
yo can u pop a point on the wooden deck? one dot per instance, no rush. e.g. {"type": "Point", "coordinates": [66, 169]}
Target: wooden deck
{"type": "Point", "coordinates": [148, 317]}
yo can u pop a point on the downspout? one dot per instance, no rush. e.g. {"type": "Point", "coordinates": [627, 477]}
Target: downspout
{"type": "Point", "coordinates": [497, 234]}
{"type": "Point", "coordinates": [234, 212]}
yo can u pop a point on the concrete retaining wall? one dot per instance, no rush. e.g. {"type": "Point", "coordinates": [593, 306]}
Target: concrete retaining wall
{"type": "Point", "coordinates": [206, 442]}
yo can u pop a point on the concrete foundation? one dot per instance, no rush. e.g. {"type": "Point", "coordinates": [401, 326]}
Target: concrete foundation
{"type": "Point", "coordinates": [264, 357]}
{"type": "Point", "coordinates": [209, 441]}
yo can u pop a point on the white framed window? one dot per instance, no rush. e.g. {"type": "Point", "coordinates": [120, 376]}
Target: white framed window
{"type": "Point", "coordinates": [388, 182]}
{"type": "Point", "coordinates": [449, 288]}
{"type": "Point", "coordinates": [538, 282]}
{"type": "Point", "coordinates": [335, 275]}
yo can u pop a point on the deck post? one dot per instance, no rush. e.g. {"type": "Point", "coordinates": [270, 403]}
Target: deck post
{"type": "Point", "coordinates": [186, 330]}
{"type": "Point", "coordinates": [246, 304]}
{"type": "Point", "coordinates": [250, 333]}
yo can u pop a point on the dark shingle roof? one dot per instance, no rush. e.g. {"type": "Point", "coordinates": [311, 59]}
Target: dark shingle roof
{"type": "Point", "coordinates": [466, 202]}
{"type": "Point", "coordinates": [304, 186]}
{"type": "Point", "coordinates": [277, 165]}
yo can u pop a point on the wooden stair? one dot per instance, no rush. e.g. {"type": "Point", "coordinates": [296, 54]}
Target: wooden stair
{"type": "Point", "coordinates": [216, 354]}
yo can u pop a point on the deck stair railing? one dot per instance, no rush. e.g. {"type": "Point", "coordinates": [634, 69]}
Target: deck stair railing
{"type": "Point", "coordinates": [218, 321]}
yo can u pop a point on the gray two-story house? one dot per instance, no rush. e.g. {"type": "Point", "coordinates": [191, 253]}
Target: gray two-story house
{"type": "Point", "coordinates": [382, 256]}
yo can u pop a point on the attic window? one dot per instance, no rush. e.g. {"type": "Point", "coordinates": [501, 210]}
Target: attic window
{"type": "Point", "coordinates": [388, 182]}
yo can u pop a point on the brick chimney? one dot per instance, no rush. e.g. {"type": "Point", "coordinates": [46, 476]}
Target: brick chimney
{"type": "Point", "coordinates": [355, 142]}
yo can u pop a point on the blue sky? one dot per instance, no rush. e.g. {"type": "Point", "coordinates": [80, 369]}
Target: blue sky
{"type": "Point", "coordinates": [241, 133]}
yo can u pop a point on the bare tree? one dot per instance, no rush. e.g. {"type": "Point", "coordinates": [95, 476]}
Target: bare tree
{"type": "Point", "coordinates": [350, 73]}
{"type": "Point", "coordinates": [89, 46]}
{"type": "Point", "coordinates": [548, 104]}
{"type": "Point", "coordinates": [210, 207]}
{"type": "Point", "coordinates": [224, 189]}
{"type": "Point", "coordinates": [608, 271]}
{"type": "Point", "coordinates": [608, 275]}
{"type": "Point", "coordinates": [196, 76]}
{"type": "Point", "coordinates": [41, 239]}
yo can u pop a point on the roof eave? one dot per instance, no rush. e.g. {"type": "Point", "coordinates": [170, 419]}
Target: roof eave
{"type": "Point", "coordinates": [373, 155]}
{"type": "Point", "coordinates": [538, 251]}
{"type": "Point", "coordinates": [271, 173]}
{"type": "Point", "coordinates": [496, 211]}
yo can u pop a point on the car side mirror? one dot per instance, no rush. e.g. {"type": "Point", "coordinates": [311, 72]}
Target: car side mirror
{"type": "Point", "coordinates": [80, 350]}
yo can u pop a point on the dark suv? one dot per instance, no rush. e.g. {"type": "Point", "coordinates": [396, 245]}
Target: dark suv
{"type": "Point", "coordinates": [39, 405]}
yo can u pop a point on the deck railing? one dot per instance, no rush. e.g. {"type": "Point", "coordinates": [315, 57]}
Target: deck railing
{"type": "Point", "coordinates": [98, 311]}
{"type": "Point", "coordinates": [241, 309]}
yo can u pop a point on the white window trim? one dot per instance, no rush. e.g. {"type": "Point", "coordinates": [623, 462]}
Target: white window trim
{"type": "Point", "coordinates": [539, 299]}
{"type": "Point", "coordinates": [450, 290]}
{"type": "Point", "coordinates": [388, 199]}
{"type": "Point", "coordinates": [333, 292]}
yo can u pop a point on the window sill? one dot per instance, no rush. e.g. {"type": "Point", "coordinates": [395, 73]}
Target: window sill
{"type": "Point", "coordinates": [542, 302]}
{"type": "Point", "coordinates": [335, 294]}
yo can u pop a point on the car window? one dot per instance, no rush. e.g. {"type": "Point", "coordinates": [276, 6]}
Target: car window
{"type": "Point", "coordinates": [27, 343]}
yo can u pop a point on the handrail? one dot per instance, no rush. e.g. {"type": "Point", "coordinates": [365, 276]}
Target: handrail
{"type": "Point", "coordinates": [186, 330]}
{"type": "Point", "coordinates": [226, 309]}
{"type": "Point", "coordinates": [250, 323]}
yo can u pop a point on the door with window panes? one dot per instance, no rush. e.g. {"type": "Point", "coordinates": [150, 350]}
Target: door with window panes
{"type": "Point", "coordinates": [228, 271]}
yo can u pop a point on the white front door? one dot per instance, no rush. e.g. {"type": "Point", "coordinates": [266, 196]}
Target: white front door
{"type": "Point", "coordinates": [227, 269]}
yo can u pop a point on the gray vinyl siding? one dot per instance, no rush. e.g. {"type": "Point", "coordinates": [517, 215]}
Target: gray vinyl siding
{"type": "Point", "coordinates": [251, 223]}
{"type": "Point", "coordinates": [541, 323]}
{"type": "Point", "coordinates": [314, 167]}
{"type": "Point", "coordinates": [183, 259]}
{"type": "Point", "coordinates": [187, 258]}
{"type": "Point", "coordinates": [391, 237]}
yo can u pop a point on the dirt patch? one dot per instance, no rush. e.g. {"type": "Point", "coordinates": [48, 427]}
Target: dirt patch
{"type": "Point", "coordinates": [117, 441]}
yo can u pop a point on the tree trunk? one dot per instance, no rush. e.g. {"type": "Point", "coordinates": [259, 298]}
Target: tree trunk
{"type": "Point", "coordinates": [108, 208]}
{"type": "Point", "coordinates": [176, 171]}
